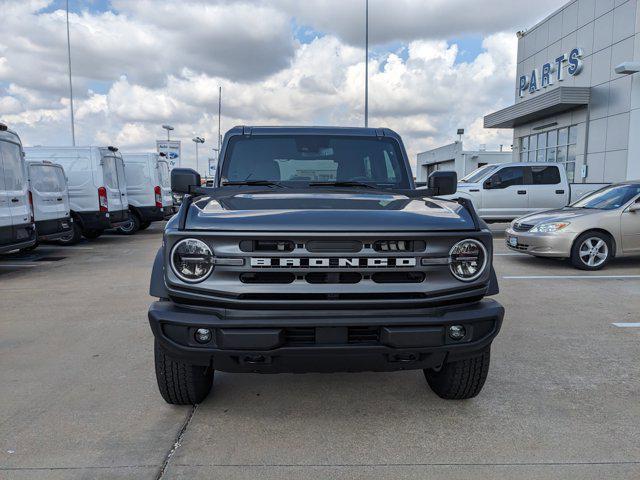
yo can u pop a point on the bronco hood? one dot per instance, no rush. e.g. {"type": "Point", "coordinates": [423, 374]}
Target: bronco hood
{"type": "Point", "coordinates": [323, 211]}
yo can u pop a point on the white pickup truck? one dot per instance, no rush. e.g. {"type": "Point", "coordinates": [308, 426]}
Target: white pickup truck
{"type": "Point", "coordinates": [509, 190]}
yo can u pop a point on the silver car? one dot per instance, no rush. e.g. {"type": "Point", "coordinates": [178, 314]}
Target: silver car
{"type": "Point", "coordinates": [590, 232]}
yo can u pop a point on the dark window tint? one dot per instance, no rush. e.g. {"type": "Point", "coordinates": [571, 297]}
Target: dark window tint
{"type": "Point", "coordinates": [299, 159]}
{"type": "Point", "coordinates": [545, 175]}
{"type": "Point", "coordinates": [508, 176]}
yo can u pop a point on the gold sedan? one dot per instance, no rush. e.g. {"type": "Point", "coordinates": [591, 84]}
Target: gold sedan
{"type": "Point", "coordinates": [590, 232]}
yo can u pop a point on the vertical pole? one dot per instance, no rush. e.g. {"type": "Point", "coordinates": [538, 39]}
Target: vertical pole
{"type": "Point", "coordinates": [197, 163]}
{"type": "Point", "coordinates": [219, 116]}
{"type": "Point", "coordinates": [73, 128]}
{"type": "Point", "coordinates": [168, 135]}
{"type": "Point", "coordinates": [366, 65]}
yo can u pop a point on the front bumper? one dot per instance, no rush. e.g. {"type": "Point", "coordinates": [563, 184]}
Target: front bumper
{"type": "Point", "coordinates": [541, 244]}
{"type": "Point", "coordinates": [324, 341]}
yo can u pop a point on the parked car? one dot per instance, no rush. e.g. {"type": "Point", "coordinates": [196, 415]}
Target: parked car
{"type": "Point", "coordinates": [17, 229]}
{"type": "Point", "coordinates": [315, 252]}
{"type": "Point", "coordinates": [593, 230]}
{"type": "Point", "coordinates": [49, 196]}
{"type": "Point", "coordinates": [509, 190]}
{"type": "Point", "coordinates": [97, 187]}
{"type": "Point", "coordinates": [148, 191]}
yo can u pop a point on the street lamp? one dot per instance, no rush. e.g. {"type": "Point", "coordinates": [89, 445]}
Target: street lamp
{"type": "Point", "coordinates": [366, 63]}
{"type": "Point", "coordinates": [168, 128]}
{"type": "Point", "coordinates": [73, 127]}
{"type": "Point", "coordinates": [197, 140]}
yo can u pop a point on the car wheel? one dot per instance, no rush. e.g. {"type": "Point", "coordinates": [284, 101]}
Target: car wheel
{"type": "Point", "coordinates": [181, 383]}
{"type": "Point", "coordinates": [131, 227]}
{"type": "Point", "coordinates": [591, 251]}
{"type": "Point", "coordinates": [92, 234]}
{"type": "Point", "coordinates": [460, 379]}
{"type": "Point", "coordinates": [73, 236]}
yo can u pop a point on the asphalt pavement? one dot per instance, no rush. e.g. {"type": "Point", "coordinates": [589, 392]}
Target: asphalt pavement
{"type": "Point", "coordinates": [78, 397]}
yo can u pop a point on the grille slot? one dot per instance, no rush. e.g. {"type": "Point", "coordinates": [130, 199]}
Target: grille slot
{"type": "Point", "coordinates": [267, 246]}
{"type": "Point", "coordinates": [363, 334]}
{"type": "Point", "coordinates": [398, 277]}
{"type": "Point", "coordinates": [331, 277]}
{"type": "Point", "coordinates": [330, 246]}
{"type": "Point", "coordinates": [268, 277]}
{"type": "Point", "coordinates": [399, 246]}
{"type": "Point", "coordinates": [300, 335]}
{"type": "Point", "coordinates": [522, 227]}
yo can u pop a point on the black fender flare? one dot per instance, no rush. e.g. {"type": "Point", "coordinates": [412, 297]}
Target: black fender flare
{"type": "Point", "coordinates": [493, 288]}
{"type": "Point", "coordinates": [157, 287]}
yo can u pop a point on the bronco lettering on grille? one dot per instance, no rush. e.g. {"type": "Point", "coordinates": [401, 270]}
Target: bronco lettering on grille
{"type": "Point", "coordinates": [328, 262]}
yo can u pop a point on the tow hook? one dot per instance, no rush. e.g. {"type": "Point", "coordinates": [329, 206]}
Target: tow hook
{"type": "Point", "coordinates": [256, 360]}
{"type": "Point", "coordinates": [404, 357]}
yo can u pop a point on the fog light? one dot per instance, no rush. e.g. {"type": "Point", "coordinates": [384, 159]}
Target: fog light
{"type": "Point", "coordinates": [203, 335]}
{"type": "Point", "coordinates": [457, 332]}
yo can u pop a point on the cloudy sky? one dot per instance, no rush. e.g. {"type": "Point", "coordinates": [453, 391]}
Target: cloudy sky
{"type": "Point", "coordinates": [435, 65]}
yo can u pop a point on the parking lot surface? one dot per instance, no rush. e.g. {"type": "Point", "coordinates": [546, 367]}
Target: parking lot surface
{"type": "Point", "coordinates": [78, 397]}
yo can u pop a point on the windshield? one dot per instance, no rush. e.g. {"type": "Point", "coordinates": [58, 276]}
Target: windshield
{"type": "Point", "coordinates": [477, 174]}
{"type": "Point", "coordinates": [609, 198]}
{"type": "Point", "coordinates": [300, 160]}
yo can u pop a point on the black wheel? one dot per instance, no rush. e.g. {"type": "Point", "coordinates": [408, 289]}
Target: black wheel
{"type": "Point", "coordinates": [131, 227]}
{"type": "Point", "coordinates": [92, 234]}
{"type": "Point", "coordinates": [591, 251]}
{"type": "Point", "coordinates": [181, 383]}
{"type": "Point", "coordinates": [145, 225]}
{"type": "Point", "coordinates": [460, 379]}
{"type": "Point", "coordinates": [73, 237]}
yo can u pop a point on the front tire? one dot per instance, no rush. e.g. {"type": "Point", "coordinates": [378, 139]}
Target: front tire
{"type": "Point", "coordinates": [591, 251]}
{"type": "Point", "coordinates": [460, 379]}
{"type": "Point", "coordinates": [181, 383]}
{"type": "Point", "coordinates": [131, 227]}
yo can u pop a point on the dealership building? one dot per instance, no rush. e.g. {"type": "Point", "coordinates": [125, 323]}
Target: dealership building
{"type": "Point", "coordinates": [577, 92]}
{"type": "Point", "coordinates": [453, 157]}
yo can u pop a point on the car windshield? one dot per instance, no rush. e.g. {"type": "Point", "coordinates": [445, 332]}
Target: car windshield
{"type": "Point", "coordinates": [316, 160]}
{"type": "Point", "coordinates": [609, 198]}
{"type": "Point", "coordinates": [477, 174]}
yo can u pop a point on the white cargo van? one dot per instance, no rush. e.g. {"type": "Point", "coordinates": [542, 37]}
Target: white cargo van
{"type": "Point", "coordinates": [17, 229]}
{"type": "Point", "coordinates": [97, 187]}
{"type": "Point", "coordinates": [148, 190]}
{"type": "Point", "coordinates": [49, 197]}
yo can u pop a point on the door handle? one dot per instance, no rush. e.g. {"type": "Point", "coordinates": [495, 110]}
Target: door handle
{"type": "Point", "coordinates": [474, 190]}
{"type": "Point", "coordinates": [559, 192]}
{"type": "Point", "coordinates": [15, 200]}
{"type": "Point", "coordinates": [59, 199]}
{"type": "Point", "coordinates": [522, 192]}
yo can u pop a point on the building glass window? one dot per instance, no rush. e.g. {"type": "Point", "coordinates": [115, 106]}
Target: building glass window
{"type": "Point", "coordinates": [554, 146]}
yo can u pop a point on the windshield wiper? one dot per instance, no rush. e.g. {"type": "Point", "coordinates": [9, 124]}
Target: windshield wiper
{"type": "Point", "coordinates": [254, 183]}
{"type": "Point", "coordinates": [342, 184]}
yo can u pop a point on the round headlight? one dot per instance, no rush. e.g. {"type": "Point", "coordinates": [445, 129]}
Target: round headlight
{"type": "Point", "coordinates": [191, 260]}
{"type": "Point", "coordinates": [468, 259]}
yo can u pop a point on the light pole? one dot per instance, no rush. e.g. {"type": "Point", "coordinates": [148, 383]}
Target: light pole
{"type": "Point", "coordinates": [73, 128]}
{"type": "Point", "coordinates": [219, 115]}
{"type": "Point", "coordinates": [197, 140]}
{"type": "Point", "coordinates": [168, 128]}
{"type": "Point", "coordinates": [366, 63]}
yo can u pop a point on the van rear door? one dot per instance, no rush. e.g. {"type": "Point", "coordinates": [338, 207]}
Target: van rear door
{"type": "Point", "coordinates": [15, 182]}
{"type": "Point", "coordinates": [110, 173]}
{"type": "Point", "coordinates": [165, 183]}
{"type": "Point", "coordinates": [6, 230]}
{"type": "Point", "coordinates": [47, 191]}
{"type": "Point", "coordinates": [122, 182]}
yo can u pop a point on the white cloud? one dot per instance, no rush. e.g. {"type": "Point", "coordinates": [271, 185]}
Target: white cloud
{"type": "Point", "coordinates": [158, 61]}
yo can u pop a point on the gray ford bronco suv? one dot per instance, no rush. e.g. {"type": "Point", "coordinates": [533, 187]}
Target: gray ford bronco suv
{"type": "Point", "coordinates": [314, 251]}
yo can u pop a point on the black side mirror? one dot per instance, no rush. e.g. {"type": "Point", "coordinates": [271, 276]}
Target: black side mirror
{"type": "Point", "coordinates": [182, 179]}
{"type": "Point", "coordinates": [443, 183]}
